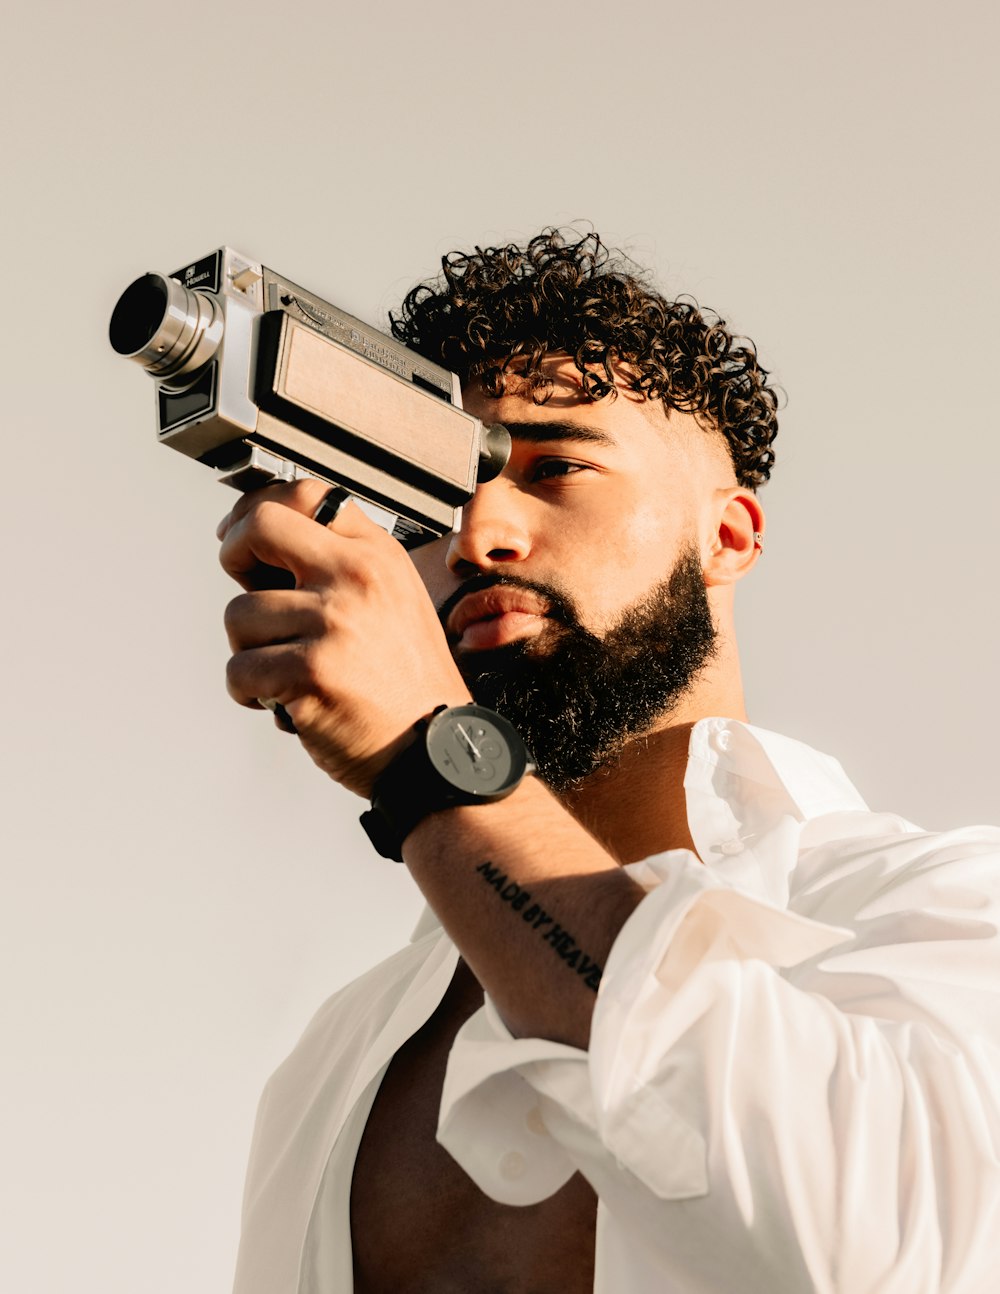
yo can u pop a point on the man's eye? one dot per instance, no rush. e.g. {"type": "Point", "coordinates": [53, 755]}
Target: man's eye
{"type": "Point", "coordinates": [553, 467]}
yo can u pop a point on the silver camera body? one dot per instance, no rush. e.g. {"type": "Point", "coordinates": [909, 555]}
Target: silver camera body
{"type": "Point", "coordinates": [265, 381]}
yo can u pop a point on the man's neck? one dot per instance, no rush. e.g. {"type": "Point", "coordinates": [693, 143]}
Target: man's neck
{"type": "Point", "coordinates": [636, 806]}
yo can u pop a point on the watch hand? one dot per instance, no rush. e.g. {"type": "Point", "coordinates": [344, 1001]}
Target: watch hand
{"type": "Point", "coordinates": [468, 741]}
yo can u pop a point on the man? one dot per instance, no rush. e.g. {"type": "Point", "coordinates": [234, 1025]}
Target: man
{"type": "Point", "coordinates": [738, 1032]}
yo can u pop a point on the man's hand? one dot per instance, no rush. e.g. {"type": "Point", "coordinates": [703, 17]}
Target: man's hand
{"type": "Point", "coordinates": [354, 652]}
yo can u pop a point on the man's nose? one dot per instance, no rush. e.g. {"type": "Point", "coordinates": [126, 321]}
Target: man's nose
{"type": "Point", "coordinates": [493, 529]}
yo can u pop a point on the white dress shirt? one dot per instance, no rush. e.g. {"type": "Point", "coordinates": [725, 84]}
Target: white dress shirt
{"type": "Point", "coordinates": [793, 1080]}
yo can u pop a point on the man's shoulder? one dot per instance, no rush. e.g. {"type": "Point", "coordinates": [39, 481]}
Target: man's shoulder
{"type": "Point", "coordinates": [867, 864]}
{"type": "Point", "coordinates": [840, 844]}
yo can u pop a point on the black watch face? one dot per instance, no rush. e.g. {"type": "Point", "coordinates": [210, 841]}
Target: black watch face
{"type": "Point", "coordinates": [476, 750]}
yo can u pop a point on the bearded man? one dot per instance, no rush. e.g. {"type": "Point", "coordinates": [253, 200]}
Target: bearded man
{"type": "Point", "coordinates": [682, 1014]}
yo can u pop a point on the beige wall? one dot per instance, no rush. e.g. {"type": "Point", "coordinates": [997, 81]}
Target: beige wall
{"type": "Point", "coordinates": [181, 888]}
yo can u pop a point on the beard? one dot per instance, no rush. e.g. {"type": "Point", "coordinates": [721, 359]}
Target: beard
{"type": "Point", "coordinates": [578, 698]}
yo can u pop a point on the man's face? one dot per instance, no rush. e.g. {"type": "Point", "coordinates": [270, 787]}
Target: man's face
{"type": "Point", "coordinates": [572, 595]}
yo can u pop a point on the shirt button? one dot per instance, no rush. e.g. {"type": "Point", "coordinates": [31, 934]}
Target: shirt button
{"type": "Point", "coordinates": [535, 1122]}
{"type": "Point", "coordinates": [512, 1165]}
{"type": "Point", "coordinates": [731, 847]}
{"type": "Point", "coordinates": [721, 740]}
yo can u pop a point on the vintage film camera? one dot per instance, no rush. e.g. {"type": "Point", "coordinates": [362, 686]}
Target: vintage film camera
{"type": "Point", "coordinates": [265, 381]}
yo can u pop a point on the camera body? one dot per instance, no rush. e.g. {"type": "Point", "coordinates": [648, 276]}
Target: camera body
{"type": "Point", "coordinates": [265, 381]}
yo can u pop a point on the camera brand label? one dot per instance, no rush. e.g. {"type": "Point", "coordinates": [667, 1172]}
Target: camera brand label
{"type": "Point", "coordinates": [205, 274]}
{"type": "Point", "coordinates": [378, 352]}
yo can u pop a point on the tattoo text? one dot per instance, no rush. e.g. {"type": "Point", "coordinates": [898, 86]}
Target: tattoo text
{"type": "Point", "coordinates": [561, 940]}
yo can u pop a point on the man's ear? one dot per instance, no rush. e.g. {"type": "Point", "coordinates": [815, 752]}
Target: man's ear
{"type": "Point", "coordinates": [738, 537]}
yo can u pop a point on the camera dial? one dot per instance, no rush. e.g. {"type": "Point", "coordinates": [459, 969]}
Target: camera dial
{"type": "Point", "coordinates": [494, 450]}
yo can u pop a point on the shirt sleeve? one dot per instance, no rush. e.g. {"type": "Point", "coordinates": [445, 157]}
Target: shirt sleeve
{"type": "Point", "coordinates": [806, 1097]}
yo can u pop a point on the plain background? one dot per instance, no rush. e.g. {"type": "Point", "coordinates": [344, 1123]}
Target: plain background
{"type": "Point", "coordinates": [181, 887]}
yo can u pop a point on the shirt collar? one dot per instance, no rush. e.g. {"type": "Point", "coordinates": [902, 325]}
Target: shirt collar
{"type": "Point", "coordinates": [750, 794]}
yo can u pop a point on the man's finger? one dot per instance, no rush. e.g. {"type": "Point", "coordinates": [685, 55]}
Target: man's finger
{"type": "Point", "coordinates": [274, 672]}
{"type": "Point", "coordinates": [270, 534]}
{"type": "Point", "coordinates": [258, 618]}
{"type": "Point", "coordinates": [301, 496]}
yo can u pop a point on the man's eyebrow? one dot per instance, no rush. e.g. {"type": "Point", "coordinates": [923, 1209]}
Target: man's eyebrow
{"type": "Point", "coordinates": [539, 432]}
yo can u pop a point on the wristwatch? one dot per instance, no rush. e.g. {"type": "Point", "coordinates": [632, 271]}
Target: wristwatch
{"type": "Point", "coordinates": [463, 754]}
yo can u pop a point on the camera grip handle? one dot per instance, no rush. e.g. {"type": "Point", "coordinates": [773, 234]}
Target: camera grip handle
{"type": "Point", "coordinates": [328, 510]}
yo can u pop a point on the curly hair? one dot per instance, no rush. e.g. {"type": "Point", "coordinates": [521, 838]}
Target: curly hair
{"type": "Point", "coordinates": [501, 305]}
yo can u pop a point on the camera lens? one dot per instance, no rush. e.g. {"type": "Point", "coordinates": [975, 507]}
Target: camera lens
{"type": "Point", "coordinates": [168, 329]}
{"type": "Point", "coordinates": [138, 314]}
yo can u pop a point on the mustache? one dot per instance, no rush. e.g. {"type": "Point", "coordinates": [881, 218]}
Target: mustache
{"type": "Point", "coordinates": [561, 606]}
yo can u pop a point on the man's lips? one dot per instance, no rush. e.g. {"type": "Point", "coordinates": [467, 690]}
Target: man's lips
{"type": "Point", "coordinates": [495, 616]}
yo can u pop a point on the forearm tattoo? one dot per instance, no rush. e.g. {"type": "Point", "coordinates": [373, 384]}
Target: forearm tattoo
{"type": "Point", "coordinates": [560, 940]}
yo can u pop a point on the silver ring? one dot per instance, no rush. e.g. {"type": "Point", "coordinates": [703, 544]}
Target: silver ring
{"type": "Point", "coordinates": [330, 505]}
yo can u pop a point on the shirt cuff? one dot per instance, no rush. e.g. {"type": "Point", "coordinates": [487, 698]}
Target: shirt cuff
{"type": "Point", "coordinates": [491, 1119]}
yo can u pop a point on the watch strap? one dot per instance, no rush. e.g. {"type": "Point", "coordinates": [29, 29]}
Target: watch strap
{"type": "Point", "coordinates": [407, 790]}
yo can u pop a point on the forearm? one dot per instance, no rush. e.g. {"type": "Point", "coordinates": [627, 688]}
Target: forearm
{"type": "Point", "coordinates": [533, 903]}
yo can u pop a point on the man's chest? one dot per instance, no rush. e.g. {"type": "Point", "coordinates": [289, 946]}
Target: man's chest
{"type": "Point", "coordinates": [418, 1223]}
